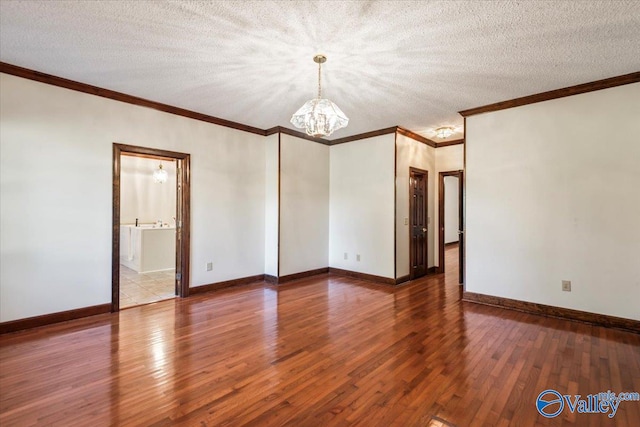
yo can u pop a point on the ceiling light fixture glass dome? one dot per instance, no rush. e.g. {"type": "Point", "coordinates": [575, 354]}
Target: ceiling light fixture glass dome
{"type": "Point", "coordinates": [319, 117]}
{"type": "Point", "coordinates": [444, 132]}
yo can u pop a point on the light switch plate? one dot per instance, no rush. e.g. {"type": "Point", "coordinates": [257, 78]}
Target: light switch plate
{"type": "Point", "coordinates": [566, 285]}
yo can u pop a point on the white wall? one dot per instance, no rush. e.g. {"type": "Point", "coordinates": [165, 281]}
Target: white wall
{"type": "Point", "coordinates": [141, 197]}
{"type": "Point", "coordinates": [304, 205]}
{"type": "Point", "coordinates": [271, 205]}
{"type": "Point", "coordinates": [448, 159]}
{"type": "Point", "coordinates": [552, 194]}
{"type": "Point", "coordinates": [55, 194]}
{"type": "Point", "coordinates": [451, 211]}
{"type": "Point", "coordinates": [411, 153]}
{"type": "Point", "coordinates": [362, 206]}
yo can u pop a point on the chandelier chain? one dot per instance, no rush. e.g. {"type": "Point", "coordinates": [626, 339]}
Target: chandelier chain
{"type": "Point", "coordinates": [319, 77]}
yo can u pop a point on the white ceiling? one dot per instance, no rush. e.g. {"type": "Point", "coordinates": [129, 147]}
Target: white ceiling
{"type": "Point", "coordinates": [407, 63]}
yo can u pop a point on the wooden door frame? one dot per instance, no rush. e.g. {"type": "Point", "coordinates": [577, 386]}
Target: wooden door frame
{"type": "Point", "coordinates": [426, 208]}
{"type": "Point", "coordinates": [183, 234]}
{"type": "Point", "coordinates": [459, 174]}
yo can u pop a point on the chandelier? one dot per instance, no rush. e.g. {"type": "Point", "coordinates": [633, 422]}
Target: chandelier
{"type": "Point", "coordinates": [160, 175]}
{"type": "Point", "coordinates": [319, 117]}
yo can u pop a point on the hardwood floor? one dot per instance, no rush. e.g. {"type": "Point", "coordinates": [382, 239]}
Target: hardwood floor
{"type": "Point", "coordinates": [326, 350]}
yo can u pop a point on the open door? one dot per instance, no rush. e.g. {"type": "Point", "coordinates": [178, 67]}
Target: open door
{"type": "Point", "coordinates": [182, 227]}
{"type": "Point", "coordinates": [461, 226]}
{"type": "Point", "coordinates": [418, 225]}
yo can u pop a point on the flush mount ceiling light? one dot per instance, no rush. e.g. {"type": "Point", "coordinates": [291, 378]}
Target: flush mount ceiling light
{"type": "Point", "coordinates": [160, 175]}
{"type": "Point", "coordinates": [444, 132]}
{"type": "Point", "coordinates": [319, 117]}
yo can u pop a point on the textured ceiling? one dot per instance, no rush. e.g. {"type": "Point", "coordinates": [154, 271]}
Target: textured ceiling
{"type": "Point", "coordinates": [407, 63]}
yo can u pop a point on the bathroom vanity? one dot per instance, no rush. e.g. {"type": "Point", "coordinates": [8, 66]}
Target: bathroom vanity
{"type": "Point", "coordinates": [147, 248]}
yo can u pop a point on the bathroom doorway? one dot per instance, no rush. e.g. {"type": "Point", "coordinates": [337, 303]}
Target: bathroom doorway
{"type": "Point", "coordinates": [150, 253]}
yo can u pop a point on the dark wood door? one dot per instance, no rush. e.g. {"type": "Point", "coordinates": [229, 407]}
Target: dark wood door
{"type": "Point", "coordinates": [179, 194]}
{"type": "Point", "coordinates": [461, 227]}
{"type": "Point", "coordinates": [418, 224]}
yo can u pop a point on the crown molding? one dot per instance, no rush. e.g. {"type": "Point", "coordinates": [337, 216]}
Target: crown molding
{"type": "Point", "coordinates": [371, 134]}
{"type": "Point", "coordinates": [554, 94]}
{"type": "Point", "coordinates": [449, 143]}
{"type": "Point", "coordinates": [301, 135]}
{"type": "Point", "coordinates": [122, 97]}
{"type": "Point", "coordinates": [417, 137]}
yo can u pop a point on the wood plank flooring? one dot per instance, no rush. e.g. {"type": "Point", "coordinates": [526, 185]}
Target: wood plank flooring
{"type": "Point", "coordinates": [327, 350]}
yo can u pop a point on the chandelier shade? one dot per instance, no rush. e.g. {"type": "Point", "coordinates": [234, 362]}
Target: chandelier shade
{"type": "Point", "coordinates": [319, 117]}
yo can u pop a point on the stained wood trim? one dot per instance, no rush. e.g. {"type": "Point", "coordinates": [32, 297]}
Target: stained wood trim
{"type": "Point", "coordinates": [551, 311]}
{"type": "Point", "coordinates": [415, 136]}
{"type": "Point", "coordinates": [38, 76]}
{"type": "Point", "coordinates": [441, 224]}
{"type": "Point", "coordinates": [271, 279]}
{"type": "Point", "coordinates": [450, 143]}
{"type": "Point", "coordinates": [463, 256]}
{"type": "Point", "coordinates": [48, 319]}
{"type": "Point", "coordinates": [451, 243]}
{"type": "Point", "coordinates": [226, 284]}
{"type": "Point", "coordinates": [402, 279]}
{"type": "Point", "coordinates": [395, 205]}
{"type": "Point", "coordinates": [185, 206]}
{"type": "Point", "coordinates": [279, 196]}
{"type": "Point", "coordinates": [365, 135]}
{"type": "Point", "coordinates": [555, 94]}
{"type": "Point", "coordinates": [301, 135]}
{"type": "Point", "coordinates": [122, 97]}
{"type": "Point", "coordinates": [362, 276]}
{"type": "Point", "coordinates": [302, 275]}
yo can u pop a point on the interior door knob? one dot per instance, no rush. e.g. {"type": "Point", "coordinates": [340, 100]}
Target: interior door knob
{"type": "Point", "coordinates": [424, 230]}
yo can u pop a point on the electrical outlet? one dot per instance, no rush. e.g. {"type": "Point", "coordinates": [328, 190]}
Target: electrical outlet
{"type": "Point", "coordinates": [566, 285]}
{"type": "Point", "coordinates": [358, 257]}
{"type": "Point", "coordinates": [346, 256]}
{"type": "Point", "coordinates": [209, 266]}
{"type": "Point", "coordinates": [406, 221]}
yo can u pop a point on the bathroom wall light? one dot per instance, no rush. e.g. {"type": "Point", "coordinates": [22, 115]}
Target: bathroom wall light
{"type": "Point", "coordinates": [160, 175]}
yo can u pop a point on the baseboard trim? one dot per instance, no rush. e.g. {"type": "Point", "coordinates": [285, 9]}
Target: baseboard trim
{"type": "Point", "coordinates": [48, 319]}
{"type": "Point", "coordinates": [271, 279]}
{"type": "Point", "coordinates": [226, 284]}
{"type": "Point", "coordinates": [301, 275]}
{"type": "Point", "coordinates": [402, 279]}
{"type": "Point", "coordinates": [551, 311]}
{"type": "Point", "coordinates": [363, 276]}
{"type": "Point", "coordinates": [452, 243]}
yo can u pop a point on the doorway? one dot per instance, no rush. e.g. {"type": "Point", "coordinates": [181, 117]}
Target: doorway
{"type": "Point", "coordinates": [150, 257]}
{"type": "Point", "coordinates": [418, 223]}
{"type": "Point", "coordinates": [451, 219]}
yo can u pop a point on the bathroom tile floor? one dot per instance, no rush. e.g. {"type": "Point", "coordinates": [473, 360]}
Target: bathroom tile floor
{"type": "Point", "coordinates": [142, 288]}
